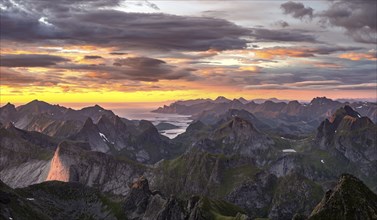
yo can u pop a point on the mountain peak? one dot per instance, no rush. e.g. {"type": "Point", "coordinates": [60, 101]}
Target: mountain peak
{"type": "Point", "coordinates": [321, 100]}
{"type": "Point", "coordinates": [237, 124]}
{"type": "Point", "coordinates": [9, 105]}
{"type": "Point", "coordinates": [36, 106]}
{"type": "Point", "coordinates": [98, 106]}
{"type": "Point", "coordinates": [93, 108]}
{"type": "Point", "coordinates": [293, 102]}
{"type": "Point", "coordinates": [36, 101]}
{"type": "Point", "coordinates": [350, 199]}
{"type": "Point", "coordinates": [344, 111]}
{"type": "Point", "coordinates": [242, 100]}
{"type": "Point", "coordinates": [221, 99]}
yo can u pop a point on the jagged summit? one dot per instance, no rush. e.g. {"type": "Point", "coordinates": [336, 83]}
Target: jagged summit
{"type": "Point", "coordinates": [36, 104]}
{"type": "Point", "coordinates": [9, 105]}
{"type": "Point", "coordinates": [94, 107]}
{"type": "Point", "coordinates": [88, 124]}
{"type": "Point", "coordinates": [221, 99]}
{"type": "Point", "coordinates": [320, 100]}
{"type": "Point", "coordinates": [243, 100]}
{"type": "Point", "coordinates": [237, 126]}
{"type": "Point", "coordinates": [349, 199]}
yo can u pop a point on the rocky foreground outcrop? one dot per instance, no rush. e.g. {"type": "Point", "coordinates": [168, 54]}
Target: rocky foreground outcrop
{"type": "Point", "coordinates": [60, 200]}
{"type": "Point", "coordinates": [350, 199]}
{"type": "Point", "coordinates": [57, 201]}
{"type": "Point", "coordinates": [142, 203]}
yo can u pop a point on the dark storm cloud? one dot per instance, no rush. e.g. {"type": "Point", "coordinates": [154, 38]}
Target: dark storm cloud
{"type": "Point", "coordinates": [140, 62]}
{"type": "Point", "coordinates": [297, 10]}
{"type": "Point", "coordinates": [62, 7]}
{"type": "Point", "coordinates": [30, 60]}
{"type": "Point", "coordinates": [135, 68]}
{"type": "Point", "coordinates": [118, 53]}
{"type": "Point", "coordinates": [263, 35]}
{"type": "Point", "coordinates": [358, 17]}
{"type": "Point", "coordinates": [92, 57]}
{"type": "Point", "coordinates": [122, 30]}
{"type": "Point", "coordinates": [14, 78]}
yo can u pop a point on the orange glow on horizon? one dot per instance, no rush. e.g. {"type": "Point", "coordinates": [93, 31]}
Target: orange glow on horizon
{"type": "Point", "coordinates": [157, 98]}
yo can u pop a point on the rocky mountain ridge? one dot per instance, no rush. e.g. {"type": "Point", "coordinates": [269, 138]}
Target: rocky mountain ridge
{"type": "Point", "coordinates": [229, 159]}
{"type": "Point", "coordinates": [283, 117]}
{"type": "Point", "coordinates": [101, 128]}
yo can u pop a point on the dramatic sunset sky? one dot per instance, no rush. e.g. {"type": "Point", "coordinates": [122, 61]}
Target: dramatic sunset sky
{"type": "Point", "coordinates": [97, 51]}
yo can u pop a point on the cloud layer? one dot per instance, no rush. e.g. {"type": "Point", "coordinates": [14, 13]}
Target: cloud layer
{"type": "Point", "coordinates": [30, 60]}
{"type": "Point", "coordinates": [117, 45]}
{"type": "Point", "coordinates": [124, 30]}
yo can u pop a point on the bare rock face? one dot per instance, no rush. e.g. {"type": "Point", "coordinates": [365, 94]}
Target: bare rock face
{"type": "Point", "coordinates": [30, 172]}
{"type": "Point", "coordinates": [24, 156]}
{"type": "Point", "coordinates": [91, 134]}
{"type": "Point", "coordinates": [352, 136]}
{"type": "Point", "coordinates": [137, 200]}
{"type": "Point", "coordinates": [74, 162]}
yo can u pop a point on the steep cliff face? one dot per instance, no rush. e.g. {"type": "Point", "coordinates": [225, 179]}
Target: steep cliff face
{"type": "Point", "coordinates": [91, 134]}
{"type": "Point", "coordinates": [352, 136]}
{"type": "Point", "coordinates": [350, 199]}
{"type": "Point", "coordinates": [139, 141]}
{"type": "Point", "coordinates": [26, 173]}
{"type": "Point", "coordinates": [24, 156]}
{"type": "Point", "coordinates": [74, 162]}
{"type": "Point", "coordinates": [60, 168]}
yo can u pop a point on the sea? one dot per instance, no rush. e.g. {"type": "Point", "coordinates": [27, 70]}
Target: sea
{"type": "Point", "coordinates": [182, 121]}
